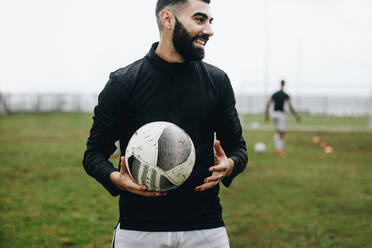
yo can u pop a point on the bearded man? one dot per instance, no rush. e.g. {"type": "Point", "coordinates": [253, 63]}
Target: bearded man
{"type": "Point", "coordinates": [171, 83]}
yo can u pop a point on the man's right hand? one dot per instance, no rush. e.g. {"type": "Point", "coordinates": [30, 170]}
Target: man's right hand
{"type": "Point", "coordinates": [124, 181]}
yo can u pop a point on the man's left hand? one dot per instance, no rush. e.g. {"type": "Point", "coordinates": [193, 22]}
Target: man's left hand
{"type": "Point", "coordinates": [222, 168]}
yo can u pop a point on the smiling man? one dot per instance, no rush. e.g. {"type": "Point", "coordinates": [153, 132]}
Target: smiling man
{"type": "Point", "coordinates": [171, 83]}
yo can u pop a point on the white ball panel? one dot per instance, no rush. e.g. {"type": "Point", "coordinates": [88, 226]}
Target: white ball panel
{"type": "Point", "coordinates": [146, 139]}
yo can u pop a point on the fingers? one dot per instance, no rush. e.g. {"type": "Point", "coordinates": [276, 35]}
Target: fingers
{"type": "Point", "coordinates": [206, 186]}
{"type": "Point", "coordinates": [148, 193]}
{"type": "Point", "coordinates": [216, 177]}
{"type": "Point", "coordinates": [123, 166]}
{"type": "Point", "coordinates": [128, 184]}
{"type": "Point", "coordinates": [213, 180]}
{"type": "Point", "coordinates": [217, 168]}
{"type": "Point", "coordinates": [142, 190]}
{"type": "Point", "coordinates": [128, 181]}
{"type": "Point", "coordinates": [219, 151]}
{"type": "Point", "coordinates": [219, 171]}
{"type": "Point", "coordinates": [131, 185]}
{"type": "Point", "coordinates": [139, 189]}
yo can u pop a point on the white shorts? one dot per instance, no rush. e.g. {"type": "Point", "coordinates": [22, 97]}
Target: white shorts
{"type": "Point", "coordinates": [279, 121]}
{"type": "Point", "coordinates": [208, 238]}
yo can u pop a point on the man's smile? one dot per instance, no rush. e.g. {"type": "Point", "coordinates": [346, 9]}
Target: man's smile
{"type": "Point", "coordinates": [200, 42]}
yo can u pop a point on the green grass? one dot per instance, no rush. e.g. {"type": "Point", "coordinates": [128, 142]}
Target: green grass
{"type": "Point", "coordinates": [315, 121]}
{"type": "Point", "coordinates": [305, 199]}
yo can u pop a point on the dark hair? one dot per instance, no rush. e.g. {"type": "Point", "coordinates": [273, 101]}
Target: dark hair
{"type": "Point", "coordinates": [161, 4]}
{"type": "Point", "coordinates": [282, 83]}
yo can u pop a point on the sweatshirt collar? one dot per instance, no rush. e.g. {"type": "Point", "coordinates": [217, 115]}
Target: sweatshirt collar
{"type": "Point", "coordinates": [161, 64]}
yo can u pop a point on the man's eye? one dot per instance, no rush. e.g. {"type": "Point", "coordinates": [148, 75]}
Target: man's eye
{"type": "Point", "coordinates": [200, 20]}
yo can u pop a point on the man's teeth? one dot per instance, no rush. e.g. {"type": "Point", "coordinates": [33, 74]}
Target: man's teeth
{"type": "Point", "coordinates": [201, 42]}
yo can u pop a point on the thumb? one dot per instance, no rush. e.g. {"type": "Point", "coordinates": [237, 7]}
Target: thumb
{"type": "Point", "coordinates": [219, 151]}
{"type": "Point", "coordinates": [123, 167]}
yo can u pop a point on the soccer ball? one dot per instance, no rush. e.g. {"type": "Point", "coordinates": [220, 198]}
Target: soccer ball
{"type": "Point", "coordinates": [160, 155]}
{"type": "Point", "coordinates": [259, 147]}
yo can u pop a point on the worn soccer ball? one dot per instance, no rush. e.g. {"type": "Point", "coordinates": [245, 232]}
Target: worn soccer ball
{"type": "Point", "coordinates": [259, 147]}
{"type": "Point", "coordinates": [160, 155]}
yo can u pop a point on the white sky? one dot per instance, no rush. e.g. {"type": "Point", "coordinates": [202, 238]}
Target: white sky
{"type": "Point", "coordinates": [318, 46]}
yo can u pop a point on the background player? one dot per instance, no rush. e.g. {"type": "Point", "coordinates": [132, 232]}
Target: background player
{"type": "Point", "coordinates": [279, 119]}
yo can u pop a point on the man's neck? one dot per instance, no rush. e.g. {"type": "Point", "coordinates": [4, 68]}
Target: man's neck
{"type": "Point", "coordinates": [167, 52]}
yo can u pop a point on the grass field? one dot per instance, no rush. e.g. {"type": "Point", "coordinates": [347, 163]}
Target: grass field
{"type": "Point", "coordinates": [305, 199]}
{"type": "Point", "coordinates": [313, 123]}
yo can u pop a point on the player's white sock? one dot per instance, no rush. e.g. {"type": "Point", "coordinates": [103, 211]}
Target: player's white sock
{"type": "Point", "coordinates": [279, 142]}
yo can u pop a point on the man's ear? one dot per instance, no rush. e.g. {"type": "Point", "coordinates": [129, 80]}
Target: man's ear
{"type": "Point", "coordinates": [167, 19]}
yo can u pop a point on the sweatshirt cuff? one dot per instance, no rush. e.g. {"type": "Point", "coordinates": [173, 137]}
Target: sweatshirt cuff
{"type": "Point", "coordinates": [107, 183]}
{"type": "Point", "coordinates": [227, 180]}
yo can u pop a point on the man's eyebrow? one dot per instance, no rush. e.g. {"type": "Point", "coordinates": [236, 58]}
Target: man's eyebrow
{"type": "Point", "coordinates": [203, 15]}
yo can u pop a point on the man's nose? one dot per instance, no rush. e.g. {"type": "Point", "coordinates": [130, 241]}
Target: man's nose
{"type": "Point", "coordinates": [208, 30]}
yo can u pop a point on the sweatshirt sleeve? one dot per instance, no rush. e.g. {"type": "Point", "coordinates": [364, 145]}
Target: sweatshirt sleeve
{"type": "Point", "coordinates": [229, 131]}
{"type": "Point", "coordinates": [104, 133]}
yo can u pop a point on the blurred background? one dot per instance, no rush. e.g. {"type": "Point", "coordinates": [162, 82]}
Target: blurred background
{"type": "Point", "coordinates": [56, 56]}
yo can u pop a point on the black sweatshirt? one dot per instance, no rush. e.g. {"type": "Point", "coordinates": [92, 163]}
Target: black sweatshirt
{"type": "Point", "coordinates": [196, 96]}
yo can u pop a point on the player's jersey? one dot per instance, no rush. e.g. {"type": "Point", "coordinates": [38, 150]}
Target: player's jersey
{"type": "Point", "coordinates": [279, 99]}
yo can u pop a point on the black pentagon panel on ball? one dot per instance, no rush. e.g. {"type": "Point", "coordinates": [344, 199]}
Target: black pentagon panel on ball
{"type": "Point", "coordinates": [153, 177]}
{"type": "Point", "coordinates": [134, 166]}
{"type": "Point", "coordinates": [174, 148]}
{"type": "Point", "coordinates": [165, 184]}
{"type": "Point", "coordinates": [143, 175]}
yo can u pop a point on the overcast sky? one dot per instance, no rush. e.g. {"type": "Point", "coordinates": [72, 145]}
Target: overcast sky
{"type": "Point", "coordinates": [318, 46]}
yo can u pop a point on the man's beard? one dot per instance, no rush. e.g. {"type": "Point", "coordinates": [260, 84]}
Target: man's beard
{"type": "Point", "coordinates": [183, 43]}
